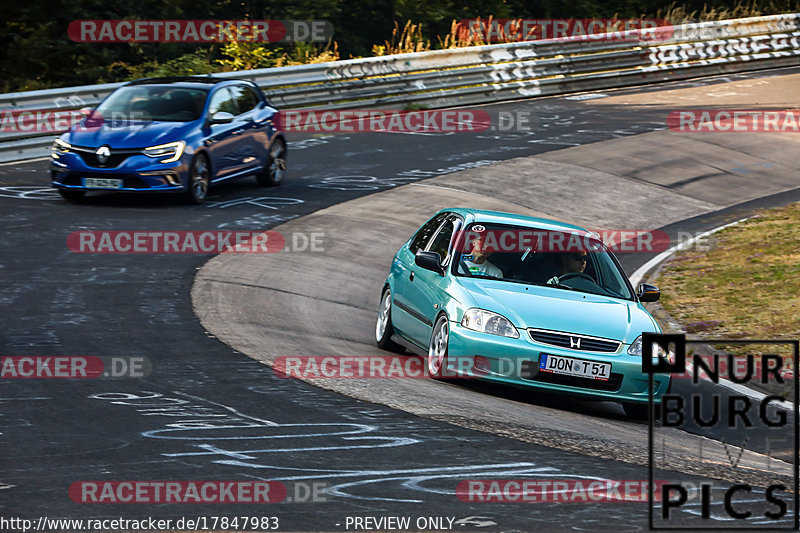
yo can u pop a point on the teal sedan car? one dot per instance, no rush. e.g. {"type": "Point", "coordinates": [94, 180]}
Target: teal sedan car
{"type": "Point", "coordinates": [521, 301]}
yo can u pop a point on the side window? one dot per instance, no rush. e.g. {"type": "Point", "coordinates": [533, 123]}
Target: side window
{"type": "Point", "coordinates": [441, 242]}
{"type": "Point", "coordinates": [222, 101]}
{"type": "Point", "coordinates": [245, 97]}
{"type": "Point", "coordinates": [420, 240]}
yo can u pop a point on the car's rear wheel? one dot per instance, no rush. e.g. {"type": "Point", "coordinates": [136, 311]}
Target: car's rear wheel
{"type": "Point", "coordinates": [383, 326]}
{"type": "Point", "coordinates": [199, 179]}
{"type": "Point", "coordinates": [275, 172]}
{"type": "Point", "coordinates": [72, 195]}
{"type": "Point", "coordinates": [437, 349]}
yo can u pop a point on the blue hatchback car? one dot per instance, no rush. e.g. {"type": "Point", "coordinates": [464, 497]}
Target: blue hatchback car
{"type": "Point", "coordinates": [523, 301]}
{"type": "Point", "coordinates": [171, 135]}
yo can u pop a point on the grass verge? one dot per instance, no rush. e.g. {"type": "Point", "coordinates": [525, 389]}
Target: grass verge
{"type": "Point", "coordinates": [744, 284]}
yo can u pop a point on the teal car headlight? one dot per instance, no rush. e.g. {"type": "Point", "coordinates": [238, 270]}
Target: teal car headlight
{"type": "Point", "coordinates": [658, 352]}
{"type": "Point", "coordinates": [489, 322]}
{"type": "Point", "coordinates": [171, 152]}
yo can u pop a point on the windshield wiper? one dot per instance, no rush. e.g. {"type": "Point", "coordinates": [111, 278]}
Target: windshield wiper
{"type": "Point", "coordinates": [560, 286]}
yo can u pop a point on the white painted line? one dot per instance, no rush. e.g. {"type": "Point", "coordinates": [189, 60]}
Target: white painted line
{"type": "Point", "coordinates": [637, 276]}
{"type": "Point", "coordinates": [589, 96]}
{"type": "Point", "coordinates": [746, 391]}
{"type": "Point", "coordinates": [46, 158]}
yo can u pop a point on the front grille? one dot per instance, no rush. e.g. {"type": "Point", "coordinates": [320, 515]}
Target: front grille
{"type": "Point", "coordinates": [114, 160]}
{"type": "Point", "coordinates": [530, 371]}
{"type": "Point", "coordinates": [574, 341]}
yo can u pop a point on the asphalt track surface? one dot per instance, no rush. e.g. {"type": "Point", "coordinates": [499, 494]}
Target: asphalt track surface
{"type": "Point", "coordinates": [372, 460]}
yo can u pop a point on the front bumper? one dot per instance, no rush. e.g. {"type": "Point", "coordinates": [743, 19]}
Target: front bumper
{"type": "Point", "coordinates": [138, 173]}
{"type": "Point", "coordinates": [516, 362]}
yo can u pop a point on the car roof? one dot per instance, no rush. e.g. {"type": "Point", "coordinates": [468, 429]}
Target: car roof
{"type": "Point", "coordinates": [500, 217]}
{"type": "Point", "coordinates": [187, 81]}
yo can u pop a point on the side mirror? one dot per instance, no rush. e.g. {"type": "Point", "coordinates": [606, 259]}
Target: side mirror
{"type": "Point", "coordinates": [429, 261]}
{"type": "Point", "coordinates": [221, 117]}
{"type": "Point", "coordinates": [648, 293]}
{"type": "Point", "coordinates": [86, 111]}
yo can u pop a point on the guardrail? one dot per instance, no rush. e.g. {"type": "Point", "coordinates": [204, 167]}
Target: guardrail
{"type": "Point", "coordinates": [480, 74]}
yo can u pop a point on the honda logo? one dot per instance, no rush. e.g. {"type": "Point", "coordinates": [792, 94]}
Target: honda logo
{"type": "Point", "coordinates": [103, 153]}
{"type": "Point", "coordinates": [575, 342]}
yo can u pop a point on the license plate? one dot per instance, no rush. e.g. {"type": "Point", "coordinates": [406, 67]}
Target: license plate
{"type": "Point", "coordinates": [102, 183]}
{"type": "Point", "coordinates": [569, 366]}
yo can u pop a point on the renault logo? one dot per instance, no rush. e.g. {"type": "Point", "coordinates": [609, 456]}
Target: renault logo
{"type": "Point", "coordinates": [103, 153]}
{"type": "Point", "coordinates": [575, 342]}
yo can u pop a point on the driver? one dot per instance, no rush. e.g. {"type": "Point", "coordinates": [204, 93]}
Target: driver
{"type": "Point", "coordinates": [570, 262]}
{"type": "Point", "coordinates": [478, 263]}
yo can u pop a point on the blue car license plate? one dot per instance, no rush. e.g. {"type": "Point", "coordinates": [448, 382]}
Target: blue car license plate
{"type": "Point", "coordinates": [102, 183]}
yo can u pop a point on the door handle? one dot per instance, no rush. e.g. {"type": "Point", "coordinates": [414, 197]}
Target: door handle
{"type": "Point", "coordinates": [411, 276]}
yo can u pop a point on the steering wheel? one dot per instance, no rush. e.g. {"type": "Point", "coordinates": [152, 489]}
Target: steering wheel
{"type": "Point", "coordinates": [571, 275]}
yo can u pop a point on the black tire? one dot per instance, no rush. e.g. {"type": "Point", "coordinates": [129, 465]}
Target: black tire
{"type": "Point", "coordinates": [199, 179]}
{"type": "Point", "coordinates": [72, 195]}
{"type": "Point", "coordinates": [383, 326]}
{"type": "Point", "coordinates": [275, 171]}
{"type": "Point", "coordinates": [438, 348]}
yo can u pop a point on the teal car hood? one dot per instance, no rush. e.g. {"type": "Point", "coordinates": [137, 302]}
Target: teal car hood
{"type": "Point", "coordinates": [530, 306]}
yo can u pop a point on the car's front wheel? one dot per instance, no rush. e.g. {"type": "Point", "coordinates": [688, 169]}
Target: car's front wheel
{"type": "Point", "coordinates": [72, 195]}
{"type": "Point", "coordinates": [275, 172]}
{"type": "Point", "coordinates": [199, 179]}
{"type": "Point", "coordinates": [383, 326]}
{"type": "Point", "coordinates": [437, 349]}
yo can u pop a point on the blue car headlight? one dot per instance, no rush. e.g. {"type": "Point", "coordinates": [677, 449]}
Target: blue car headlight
{"type": "Point", "coordinates": [489, 322]}
{"type": "Point", "coordinates": [59, 148]}
{"type": "Point", "coordinates": [170, 151]}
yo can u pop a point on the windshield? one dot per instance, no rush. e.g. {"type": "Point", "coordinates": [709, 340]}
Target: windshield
{"type": "Point", "coordinates": [153, 103]}
{"type": "Point", "coordinates": [565, 261]}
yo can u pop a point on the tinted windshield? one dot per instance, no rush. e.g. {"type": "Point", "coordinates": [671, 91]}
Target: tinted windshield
{"type": "Point", "coordinates": [154, 102]}
{"type": "Point", "coordinates": [566, 261]}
